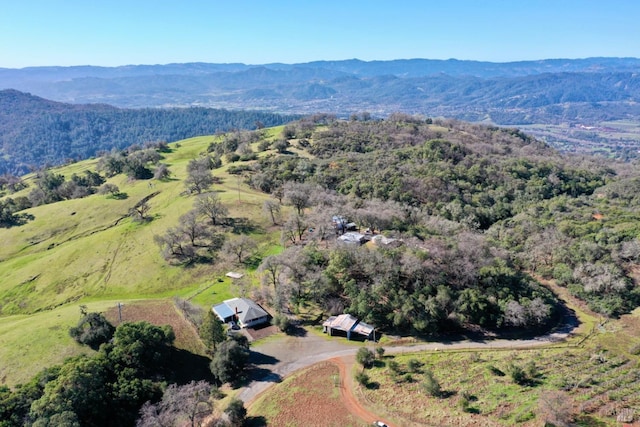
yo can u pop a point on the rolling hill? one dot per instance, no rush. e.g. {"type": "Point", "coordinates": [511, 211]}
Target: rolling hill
{"type": "Point", "coordinates": [478, 205]}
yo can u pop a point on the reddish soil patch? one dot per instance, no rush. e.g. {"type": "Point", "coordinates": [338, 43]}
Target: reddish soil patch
{"type": "Point", "coordinates": [160, 312]}
{"type": "Point", "coordinates": [313, 399]}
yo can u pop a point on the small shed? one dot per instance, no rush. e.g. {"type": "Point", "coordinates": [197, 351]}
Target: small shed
{"type": "Point", "coordinates": [348, 324]}
{"type": "Point", "coordinates": [235, 275]}
{"type": "Point", "coordinates": [342, 224]}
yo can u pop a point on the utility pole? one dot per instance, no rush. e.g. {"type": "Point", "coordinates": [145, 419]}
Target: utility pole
{"type": "Point", "coordinates": [120, 311]}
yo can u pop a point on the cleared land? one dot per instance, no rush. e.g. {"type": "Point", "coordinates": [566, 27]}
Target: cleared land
{"type": "Point", "coordinates": [309, 398]}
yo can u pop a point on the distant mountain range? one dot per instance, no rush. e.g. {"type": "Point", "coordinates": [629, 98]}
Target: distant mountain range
{"type": "Point", "coordinates": [572, 98]}
{"type": "Point", "coordinates": [546, 91]}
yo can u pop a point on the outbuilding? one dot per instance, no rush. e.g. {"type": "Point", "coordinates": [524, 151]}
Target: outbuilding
{"type": "Point", "coordinates": [352, 238]}
{"type": "Point", "coordinates": [348, 324]}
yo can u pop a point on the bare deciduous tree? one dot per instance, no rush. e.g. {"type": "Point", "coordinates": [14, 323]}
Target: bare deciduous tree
{"type": "Point", "coordinates": [190, 404]}
{"type": "Point", "coordinates": [294, 229]}
{"type": "Point", "coordinates": [240, 246]}
{"type": "Point", "coordinates": [555, 408]}
{"type": "Point", "coordinates": [210, 205]}
{"type": "Point", "coordinates": [298, 195]}
{"type": "Point", "coordinates": [199, 177]}
{"type": "Point", "coordinates": [272, 209]}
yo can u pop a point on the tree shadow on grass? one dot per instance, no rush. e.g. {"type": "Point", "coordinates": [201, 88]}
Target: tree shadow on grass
{"type": "Point", "coordinates": [379, 363]}
{"type": "Point", "coordinates": [296, 331]}
{"type": "Point", "coordinates": [241, 225]}
{"type": "Point", "coordinates": [445, 394]}
{"type": "Point", "coordinates": [187, 366]}
{"type": "Point", "coordinates": [257, 421]}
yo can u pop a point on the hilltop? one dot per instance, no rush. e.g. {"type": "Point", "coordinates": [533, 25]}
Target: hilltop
{"type": "Point", "coordinates": [464, 230]}
{"type": "Point", "coordinates": [403, 174]}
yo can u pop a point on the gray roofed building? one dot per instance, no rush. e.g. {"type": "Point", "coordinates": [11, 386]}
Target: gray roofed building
{"type": "Point", "coordinates": [242, 310]}
{"type": "Point", "coordinates": [352, 238]}
{"type": "Point", "coordinates": [347, 323]}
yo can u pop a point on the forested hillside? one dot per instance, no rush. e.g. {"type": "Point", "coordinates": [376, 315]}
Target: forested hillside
{"type": "Point", "coordinates": [475, 208]}
{"type": "Point", "coordinates": [464, 192]}
{"type": "Point", "coordinates": [35, 132]}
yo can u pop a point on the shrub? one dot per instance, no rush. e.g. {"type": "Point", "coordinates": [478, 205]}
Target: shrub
{"type": "Point", "coordinates": [517, 374]}
{"type": "Point", "coordinates": [431, 385]}
{"type": "Point", "coordinates": [365, 357]}
{"type": "Point", "coordinates": [413, 365]}
{"type": "Point", "coordinates": [236, 412]}
{"type": "Point", "coordinates": [282, 322]}
{"type": "Point", "coordinates": [362, 379]}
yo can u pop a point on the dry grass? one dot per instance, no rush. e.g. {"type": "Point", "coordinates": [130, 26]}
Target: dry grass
{"type": "Point", "coordinates": [160, 312]}
{"type": "Point", "coordinates": [309, 398]}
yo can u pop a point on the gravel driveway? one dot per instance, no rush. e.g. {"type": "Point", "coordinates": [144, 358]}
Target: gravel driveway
{"type": "Point", "coordinates": [275, 359]}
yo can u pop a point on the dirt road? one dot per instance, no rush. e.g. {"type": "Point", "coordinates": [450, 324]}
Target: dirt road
{"type": "Point", "coordinates": [274, 360]}
{"type": "Point", "coordinates": [354, 406]}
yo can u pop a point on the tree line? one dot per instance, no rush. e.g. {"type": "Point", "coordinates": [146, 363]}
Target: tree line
{"type": "Point", "coordinates": [132, 378]}
{"type": "Point", "coordinates": [35, 132]}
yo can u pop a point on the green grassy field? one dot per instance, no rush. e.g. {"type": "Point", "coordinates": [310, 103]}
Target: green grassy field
{"type": "Point", "coordinates": [88, 251]}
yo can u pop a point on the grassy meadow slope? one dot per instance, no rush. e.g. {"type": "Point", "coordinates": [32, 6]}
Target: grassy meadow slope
{"type": "Point", "coordinates": [89, 251]}
{"type": "Point", "coordinates": [90, 248]}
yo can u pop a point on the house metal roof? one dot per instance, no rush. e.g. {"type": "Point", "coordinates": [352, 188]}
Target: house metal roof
{"type": "Point", "coordinates": [246, 309]}
{"type": "Point", "coordinates": [348, 323]}
{"type": "Point", "coordinates": [223, 310]}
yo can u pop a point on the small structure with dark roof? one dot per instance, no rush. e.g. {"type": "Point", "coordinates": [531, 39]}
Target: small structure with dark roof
{"type": "Point", "coordinates": [352, 238]}
{"type": "Point", "coordinates": [244, 311]}
{"type": "Point", "coordinates": [348, 324]}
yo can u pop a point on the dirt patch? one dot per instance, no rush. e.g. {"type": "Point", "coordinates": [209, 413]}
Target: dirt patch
{"type": "Point", "coordinates": [311, 398]}
{"type": "Point", "coordinates": [256, 334]}
{"type": "Point", "coordinates": [159, 312]}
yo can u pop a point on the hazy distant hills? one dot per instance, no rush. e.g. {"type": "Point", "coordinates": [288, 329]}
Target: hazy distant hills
{"type": "Point", "coordinates": [546, 91]}
{"type": "Point", "coordinates": [36, 131]}
{"type": "Point", "coordinates": [574, 101]}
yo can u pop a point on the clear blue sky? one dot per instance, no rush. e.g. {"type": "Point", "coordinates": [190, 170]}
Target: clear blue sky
{"type": "Point", "coordinates": [121, 32]}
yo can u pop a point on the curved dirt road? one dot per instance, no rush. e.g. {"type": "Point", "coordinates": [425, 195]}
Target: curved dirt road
{"type": "Point", "coordinates": [276, 359]}
{"type": "Point", "coordinates": [346, 391]}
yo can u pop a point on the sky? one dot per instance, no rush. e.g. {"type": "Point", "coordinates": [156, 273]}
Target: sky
{"type": "Point", "coordinates": [125, 32]}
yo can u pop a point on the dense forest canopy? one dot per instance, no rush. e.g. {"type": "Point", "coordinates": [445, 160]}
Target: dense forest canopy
{"type": "Point", "coordinates": [35, 132]}
{"type": "Point", "coordinates": [462, 191]}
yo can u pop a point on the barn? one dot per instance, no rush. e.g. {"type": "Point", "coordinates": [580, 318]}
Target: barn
{"type": "Point", "coordinates": [346, 323]}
